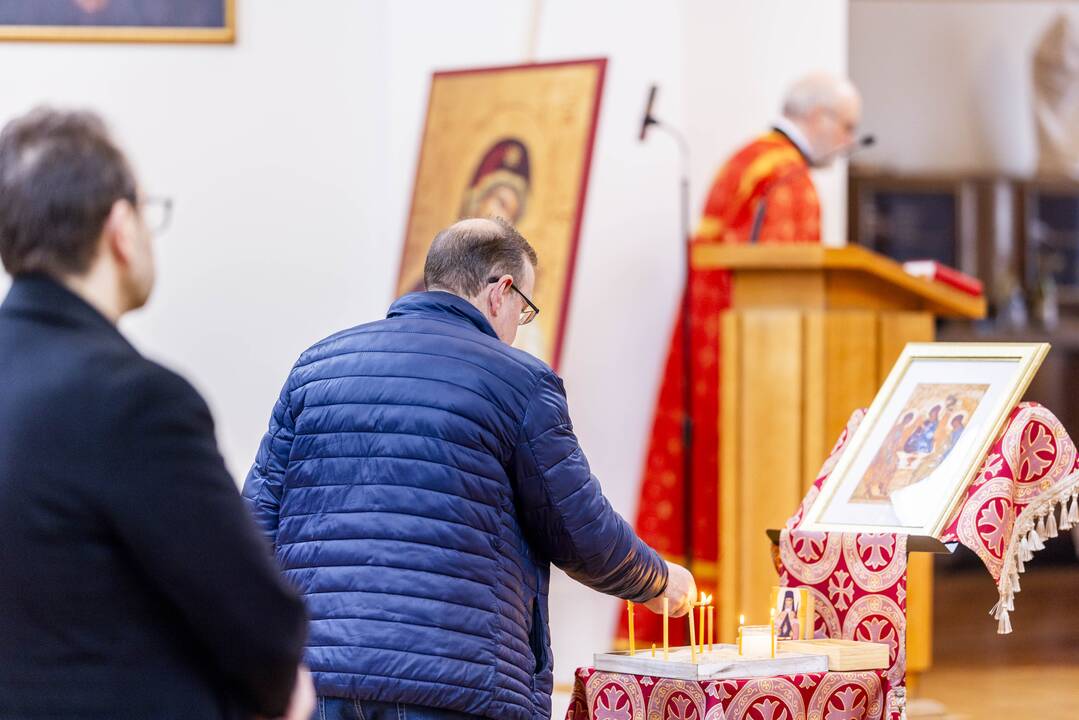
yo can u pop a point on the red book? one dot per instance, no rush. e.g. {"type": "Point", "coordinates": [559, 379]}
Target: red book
{"type": "Point", "coordinates": [933, 270]}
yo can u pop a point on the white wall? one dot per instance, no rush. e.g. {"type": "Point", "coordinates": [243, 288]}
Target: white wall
{"type": "Point", "coordinates": [291, 157]}
{"type": "Point", "coordinates": [947, 83]}
{"type": "Point", "coordinates": [272, 153]}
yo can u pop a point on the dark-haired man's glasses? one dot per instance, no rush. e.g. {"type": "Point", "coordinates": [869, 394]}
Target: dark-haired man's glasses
{"type": "Point", "coordinates": [529, 313]}
{"type": "Point", "coordinates": [156, 212]}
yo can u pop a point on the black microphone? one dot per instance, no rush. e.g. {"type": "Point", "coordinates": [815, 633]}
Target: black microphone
{"type": "Point", "coordinates": [845, 151]}
{"type": "Point", "coordinates": [762, 206]}
{"type": "Point", "coordinates": [648, 119]}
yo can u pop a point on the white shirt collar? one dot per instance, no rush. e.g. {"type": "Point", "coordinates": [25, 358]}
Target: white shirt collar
{"type": "Point", "coordinates": [795, 134]}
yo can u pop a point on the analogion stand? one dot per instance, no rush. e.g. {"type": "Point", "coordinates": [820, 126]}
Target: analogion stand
{"type": "Point", "coordinates": [922, 547]}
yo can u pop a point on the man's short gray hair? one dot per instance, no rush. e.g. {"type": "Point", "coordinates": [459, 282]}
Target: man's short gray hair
{"type": "Point", "coordinates": [466, 254]}
{"type": "Point", "coordinates": [816, 90]}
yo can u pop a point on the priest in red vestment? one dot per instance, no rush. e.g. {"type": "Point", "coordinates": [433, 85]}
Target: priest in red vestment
{"type": "Point", "coordinates": [763, 193]}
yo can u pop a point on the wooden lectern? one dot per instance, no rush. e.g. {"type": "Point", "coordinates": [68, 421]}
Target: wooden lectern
{"type": "Point", "coordinates": [810, 336]}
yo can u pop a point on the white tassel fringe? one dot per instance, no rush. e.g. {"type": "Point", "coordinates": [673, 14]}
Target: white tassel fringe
{"type": "Point", "coordinates": [1036, 543]}
{"type": "Point", "coordinates": [1004, 624]}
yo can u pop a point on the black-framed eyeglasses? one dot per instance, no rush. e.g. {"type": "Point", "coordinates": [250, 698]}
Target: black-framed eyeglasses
{"type": "Point", "coordinates": [529, 313]}
{"type": "Point", "coordinates": [156, 212]}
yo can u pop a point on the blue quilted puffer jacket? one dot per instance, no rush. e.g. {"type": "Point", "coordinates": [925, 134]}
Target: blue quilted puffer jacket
{"type": "Point", "coordinates": [417, 480]}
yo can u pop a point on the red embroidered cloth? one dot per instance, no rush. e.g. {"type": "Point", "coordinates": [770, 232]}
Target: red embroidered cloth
{"type": "Point", "coordinates": [816, 696]}
{"type": "Point", "coordinates": [1027, 481]}
{"type": "Point", "coordinates": [1028, 478]}
{"type": "Point", "coordinates": [858, 580]}
{"type": "Point", "coordinates": [859, 586]}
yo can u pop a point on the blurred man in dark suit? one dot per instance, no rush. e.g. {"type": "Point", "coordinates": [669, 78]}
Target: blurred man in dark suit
{"type": "Point", "coordinates": [133, 583]}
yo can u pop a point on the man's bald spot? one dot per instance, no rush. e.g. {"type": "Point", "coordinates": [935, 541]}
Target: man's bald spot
{"type": "Point", "coordinates": [475, 225]}
{"type": "Point", "coordinates": [463, 256]}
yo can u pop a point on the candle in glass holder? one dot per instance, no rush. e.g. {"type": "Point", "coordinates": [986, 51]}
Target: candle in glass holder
{"type": "Point", "coordinates": [756, 641]}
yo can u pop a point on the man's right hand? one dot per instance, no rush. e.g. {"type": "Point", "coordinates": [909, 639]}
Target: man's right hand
{"type": "Point", "coordinates": [681, 591]}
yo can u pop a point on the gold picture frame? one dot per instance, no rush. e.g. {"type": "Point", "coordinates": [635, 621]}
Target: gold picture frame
{"type": "Point", "coordinates": [30, 31]}
{"type": "Point", "coordinates": [513, 142]}
{"type": "Point", "coordinates": [924, 437]}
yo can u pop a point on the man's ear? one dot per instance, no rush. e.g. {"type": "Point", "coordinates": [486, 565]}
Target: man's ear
{"type": "Point", "coordinates": [498, 293]}
{"type": "Point", "coordinates": [119, 233]}
{"type": "Point", "coordinates": [494, 299]}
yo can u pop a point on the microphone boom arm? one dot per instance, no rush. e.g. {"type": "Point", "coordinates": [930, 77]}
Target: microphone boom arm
{"type": "Point", "coordinates": [686, 329]}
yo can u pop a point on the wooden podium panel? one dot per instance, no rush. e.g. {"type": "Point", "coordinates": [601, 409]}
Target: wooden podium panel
{"type": "Point", "coordinates": [811, 334]}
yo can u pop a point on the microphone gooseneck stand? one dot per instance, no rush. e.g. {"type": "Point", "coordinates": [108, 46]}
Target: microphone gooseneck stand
{"type": "Point", "coordinates": [686, 325]}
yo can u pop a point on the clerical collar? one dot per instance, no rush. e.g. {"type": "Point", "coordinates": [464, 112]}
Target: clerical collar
{"type": "Point", "coordinates": [796, 136]}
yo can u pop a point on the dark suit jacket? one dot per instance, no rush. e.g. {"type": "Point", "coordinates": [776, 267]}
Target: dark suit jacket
{"type": "Point", "coordinates": [133, 583]}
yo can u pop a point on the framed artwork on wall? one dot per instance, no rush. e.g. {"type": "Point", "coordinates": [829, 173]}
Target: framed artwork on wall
{"type": "Point", "coordinates": [924, 437]}
{"type": "Point", "coordinates": [516, 143]}
{"type": "Point", "coordinates": [151, 21]}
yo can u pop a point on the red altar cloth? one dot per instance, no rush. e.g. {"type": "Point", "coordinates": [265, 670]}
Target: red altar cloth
{"type": "Point", "coordinates": [865, 695]}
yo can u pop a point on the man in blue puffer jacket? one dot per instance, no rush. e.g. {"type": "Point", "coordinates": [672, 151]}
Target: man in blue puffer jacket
{"type": "Point", "coordinates": [418, 477]}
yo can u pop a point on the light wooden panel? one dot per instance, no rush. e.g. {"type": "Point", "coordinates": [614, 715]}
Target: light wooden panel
{"type": "Point", "coordinates": [847, 290]}
{"type": "Point", "coordinates": [762, 289]}
{"type": "Point", "coordinates": [730, 444]}
{"type": "Point", "coordinates": [896, 330]}
{"type": "Point", "coordinates": [850, 370]}
{"type": "Point", "coordinates": [816, 442]}
{"type": "Point", "coordinates": [841, 350]}
{"type": "Point", "coordinates": [770, 414]}
{"type": "Point", "coordinates": [892, 285]}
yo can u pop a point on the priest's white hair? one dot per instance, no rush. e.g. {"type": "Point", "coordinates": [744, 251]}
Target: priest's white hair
{"type": "Point", "coordinates": [816, 90]}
